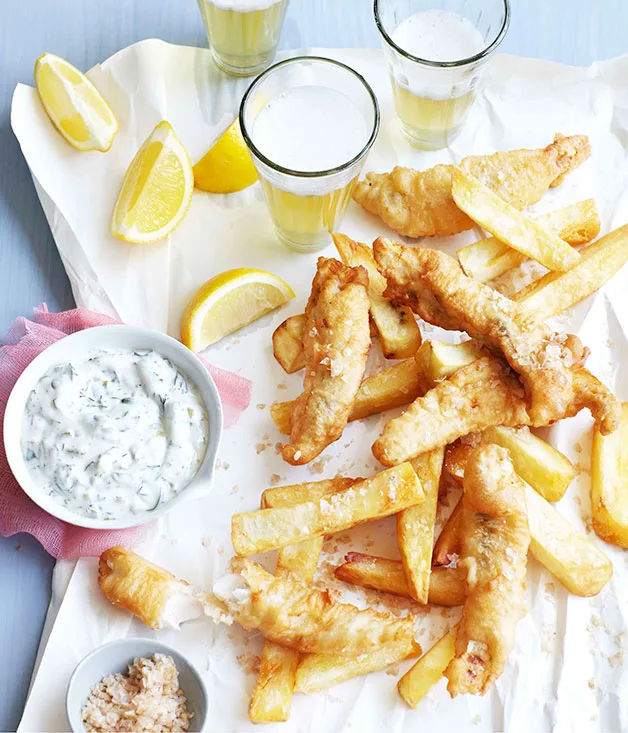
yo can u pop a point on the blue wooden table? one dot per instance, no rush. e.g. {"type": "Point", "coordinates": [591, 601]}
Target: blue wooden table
{"type": "Point", "coordinates": [86, 32]}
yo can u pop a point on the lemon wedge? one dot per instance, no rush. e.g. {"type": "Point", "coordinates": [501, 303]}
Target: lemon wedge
{"type": "Point", "coordinates": [156, 191]}
{"type": "Point", "coordinates": [229, 301]}
{"type": "Point", "coordinates": [76, 108]}
{"type": "Point", "coordinates": [227, 166]}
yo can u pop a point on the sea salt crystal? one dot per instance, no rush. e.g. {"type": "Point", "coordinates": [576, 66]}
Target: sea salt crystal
{"type": "Point", "coordinates": [336, 367]}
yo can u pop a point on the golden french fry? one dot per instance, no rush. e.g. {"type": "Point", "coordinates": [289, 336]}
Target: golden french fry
{"type": "Point", "coordinates": [320, 671]}
{"type": "Point", "coordinates": [388, 576]}
{"type": "Point", "coordinates": [272, 695]}
{"type": "Point", "coordinates": [290, 613]}
{"type": "Point", "coordinates": [508, 224]}
{"type": "Point", "coordinates": [279, 496]}
{"type": "Point", "coordinates": [447, 545]}
{"type": "Point", "coordinates": [419, 679]}
{"type": "Point", "coordinates": [288, 343]}
{"type": "Point", "coordinates": [394, 386]}
{"type": "Point", "coordinates": [415, 526]}
{"type": "Point", "coordinates": [487, 259]}
{"type": "Point", "coordinates": [609, 483]}
{"type": "Point", "coordinates": [547, 470]}
{"type": "Point", "coordinates": [388, 492]}
{"type": "Point", "coordinates": [566, 553]}
{"type": "Point", "coordinates": [396, 326]}
{"type": "Point", "coordinates": [438, 360]}
{"type": "Point", "coordinates": [555, 292]}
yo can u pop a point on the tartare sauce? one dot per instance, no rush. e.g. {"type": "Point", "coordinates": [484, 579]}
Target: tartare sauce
{"type": "Point", "coordinates": [116, 434]}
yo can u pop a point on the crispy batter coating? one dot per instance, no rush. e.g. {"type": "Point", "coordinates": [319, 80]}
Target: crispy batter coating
{"type": "Point", "coordinates": [436, 288]}
{"type": "Point", "coordinates": [479, 395]}
{"type": "Point", "coordinates": [336, 341]}
{"type": "Point", "coordinates": [131, 582]}
{"type": "Point", "coordinates": [419, 203]}
{"type": "Point", "coordinates": [290, 613]}
{"type": "Point", "coordinates": [494, 545]}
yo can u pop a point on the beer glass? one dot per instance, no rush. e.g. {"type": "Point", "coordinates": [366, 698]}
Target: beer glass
{"type": "Point", "coordinates": [243, 34]}
{"type": "Point", "coordinates": [437, 53]}
{"type": "Point", "coordinates": [309, 123]}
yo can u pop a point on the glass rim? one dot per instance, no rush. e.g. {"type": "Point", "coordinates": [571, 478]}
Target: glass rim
{"type": "Point", "coordinates": [445, 64]}
{"type": "Point", "coordinates": [308, 174]}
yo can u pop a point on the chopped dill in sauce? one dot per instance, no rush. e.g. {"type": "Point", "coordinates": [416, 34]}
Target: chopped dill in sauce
{"type": "Point", "coordinates": [119, 433]}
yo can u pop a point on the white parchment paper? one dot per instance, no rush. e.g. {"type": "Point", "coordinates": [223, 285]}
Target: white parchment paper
{"type": "Point", "coordinates": [568, 671]}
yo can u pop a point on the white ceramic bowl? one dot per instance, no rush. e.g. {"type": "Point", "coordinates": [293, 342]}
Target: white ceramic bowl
{"type": "Point", "coordinates": [116, 657]}
{"type": "Point", "coordinates": [76, 347]}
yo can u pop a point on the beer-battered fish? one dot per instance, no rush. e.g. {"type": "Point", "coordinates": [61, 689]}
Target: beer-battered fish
{"type": "Point", "coordinates": [290, 613]}
{"type": "Point", "coordinates": [479, 395]}
{"type": "Point", "coordinates": [494, 536]}
{"type": "Point", "coordinates": [336, 341]}
{"type": "Point", "coordinates": [419, 203]}
{"type": "Point", "coordinates": [434, 285]}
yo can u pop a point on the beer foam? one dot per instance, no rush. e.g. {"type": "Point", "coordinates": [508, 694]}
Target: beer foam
{"type": "Point", "coordinates": [439, 35]}
{"type": "Point", "coordinates": [243, 6]}
{"type": "Point", "coordinates": [310, 128]}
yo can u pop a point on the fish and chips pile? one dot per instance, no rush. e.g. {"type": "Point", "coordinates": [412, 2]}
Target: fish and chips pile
{"type": "Point", "coordinates": [468, 412]}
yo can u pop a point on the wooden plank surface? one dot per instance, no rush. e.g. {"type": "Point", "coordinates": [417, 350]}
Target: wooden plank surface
{"type": "Point", "coordinates": [569, 31]}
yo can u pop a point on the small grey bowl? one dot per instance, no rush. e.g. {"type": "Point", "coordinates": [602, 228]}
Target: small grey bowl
{"type": "Point", "coordinates": [116, 657]}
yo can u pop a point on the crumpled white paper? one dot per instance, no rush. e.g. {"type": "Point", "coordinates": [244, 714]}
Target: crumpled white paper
{"type": "Point", "coordinates": [567, 671]}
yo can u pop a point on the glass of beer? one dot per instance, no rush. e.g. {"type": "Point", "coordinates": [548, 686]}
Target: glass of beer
{"type": "Point", "coordinates": [243, 34]}
{"type": "Point", "coordinates": [437, 52]}
{"type": "Point", "coordinates": [309, 123]}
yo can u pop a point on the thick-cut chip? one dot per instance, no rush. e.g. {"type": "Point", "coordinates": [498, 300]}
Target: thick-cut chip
{"type": "Point", "coordinates": [395, 386]}
{"type": "Point", "coordinates": [419, 679]}
{"type": "Point", "coordinates": [609, 483]}
{"type": "Point", "coordinates": [489, 258]}
{"type": "Point", "coordinates": [386, 493]}
{"type": "Point", "coordinates": [547, 470]}
{"type": "Point", "coordinates": [508, 224]}
{"type": "Point", "coordinates": [287, 612]}
{"type": "Point", "coordinates": [415, 526]}
{"type": "Point", "coordinates": [320, 671]}
{"type": "Point", "coordinates": [292, 494]}
{"type": "Point", "coordinates": [272, 695]}
{"type": "Point", "coordinates": [566, 553]}
{"type": "Point", "coordinates": [388, 576]}
{"type": "Point", "coordinates": [555, 292]}
{"type": "Point", "coordinates": [447, 545]}
{"type": "Point", "coordinates": [439, 360]}
{"type": "Point", "coordinates": [396, 326]}
{"type": "Point", "coordinates": [288, 343]}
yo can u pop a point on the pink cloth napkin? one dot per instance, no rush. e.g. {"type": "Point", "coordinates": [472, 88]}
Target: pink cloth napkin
{"type": "Point", "coordinates": [18, 513]}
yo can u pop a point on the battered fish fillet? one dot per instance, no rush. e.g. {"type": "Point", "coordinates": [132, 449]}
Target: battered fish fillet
{"type": "Point", "coordinates": [149, 592]}
{"type": "Point", "coordinates": [479, 395]}
{"type": "Point", "coordinates": [494, 545]}
{"type": "Point", "coordinates": [336, 340]}
{"type": "Point", "coordinates": [419, 203]}
{"type": "Point", "coordinates": [290, 613]}
{"type": "Point", "coordinates": [434, 285]}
